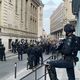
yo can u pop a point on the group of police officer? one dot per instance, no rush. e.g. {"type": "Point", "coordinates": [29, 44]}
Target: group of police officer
{"type": "Point", "coordinates": [20, 47]}
{"type": "Point", "coordinates": [34, 50]}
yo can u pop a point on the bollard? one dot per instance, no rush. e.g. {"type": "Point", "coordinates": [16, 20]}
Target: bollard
{"type": "Point", "coordinates": [45, 73]}
{"type": "Point", "coordinates": [15, 70]}
{"type": "Point", "coordinates": [27, 65]}
{"type": "Point", "coordinates": [35, 74]}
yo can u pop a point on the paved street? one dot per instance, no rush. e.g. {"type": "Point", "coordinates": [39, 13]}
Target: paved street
{"type": "Point", "coordinates": [7, 67]}
{"type": "Point", "coordinates": [61, 74]}
{"type": "Point", "coordinates": [7, 70]}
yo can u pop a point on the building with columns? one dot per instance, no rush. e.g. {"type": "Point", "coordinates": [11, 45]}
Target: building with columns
{"type": "Point", "coordinates": [61, 16]}
{"type": "Point", "coordinates": [56, 21]}
{"type": "Point", "coordinates": [20, 19]}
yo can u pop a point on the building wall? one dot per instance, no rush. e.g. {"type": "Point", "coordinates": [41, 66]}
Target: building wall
{"type": "Point", "coordinates": [19, 19]}
{"type": "Point", "coordinates": [61, 16]}
{"type": "Point", "coordinates": [33, 18]}
{"type": "Point", "coordinates": [68, 10]}
{"type": "Point", "coordinates": [0, 13]}
{"type": "Point", "coordinates": [56, 21]}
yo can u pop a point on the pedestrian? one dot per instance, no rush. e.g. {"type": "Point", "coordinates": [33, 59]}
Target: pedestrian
{"type": "Point", "coordinates": [68, 48]}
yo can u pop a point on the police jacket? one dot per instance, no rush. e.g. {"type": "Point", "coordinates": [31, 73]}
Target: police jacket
{"type": "Point", "coordinates": [69, 46]}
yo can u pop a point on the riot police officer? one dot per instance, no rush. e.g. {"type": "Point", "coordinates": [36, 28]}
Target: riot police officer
{"type": "Point", "coordinates": [2, 52]}
{"type": "Point", "coordinates": [20, 50]}
{"type": "Point", "coordinates": [30, 53]}
{"type": "Point", "coordinates": [69, 50]}
{"type": "Point", "coordinates": [40, 52]}
{"type": "Point", "coordinates": [25, 46]}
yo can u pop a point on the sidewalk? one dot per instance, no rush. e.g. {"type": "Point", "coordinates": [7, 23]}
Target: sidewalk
{"type": "Point", "coordinates": [10, 54]}
{"type": "Point", "coordinates": [61, 73]}
{"type": "Point", "coordinates": [22, 72]}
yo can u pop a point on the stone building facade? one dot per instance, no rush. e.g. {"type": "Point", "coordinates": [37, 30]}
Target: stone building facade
{"type": "Point", "coordinates": [20, 19]}
{"type": "Point", "coordinates": [56, 21]}
{"type": "Point", "coordinates": [61, 16]}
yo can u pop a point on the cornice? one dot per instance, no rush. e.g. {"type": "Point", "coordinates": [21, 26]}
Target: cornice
{"type": "Point", "coordinates": [38, 2]}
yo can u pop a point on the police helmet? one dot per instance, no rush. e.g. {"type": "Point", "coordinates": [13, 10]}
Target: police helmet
{"type": "Point", "coordinates": [69, 28]}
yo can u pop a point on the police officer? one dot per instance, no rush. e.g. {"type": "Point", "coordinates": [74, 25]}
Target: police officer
{"type": "Point", "coordinates": [25, 46]}
{"type": "Point", "coordinates": [2, 52]}
{"type": "Point", "coordinates": [36, 54]}
{"type": "Point", "coordinates": [30, 53]}
{"type": "Point", "coordinates": [40, 52]}
{"type": "Point", "coordinates": [69, 50]}
{"type": "Point", "coordinates": [20, 49]}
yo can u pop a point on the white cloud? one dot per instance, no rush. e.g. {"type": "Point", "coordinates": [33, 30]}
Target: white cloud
{"type": "Point", "coordinates": [46, 24]}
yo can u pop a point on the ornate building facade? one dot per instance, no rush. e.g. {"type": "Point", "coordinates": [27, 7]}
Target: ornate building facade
{"type": "Point", "coordinates": [20, 19]}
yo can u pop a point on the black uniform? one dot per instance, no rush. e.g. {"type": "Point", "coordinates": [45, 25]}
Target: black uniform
{"type": "Point", "coordinates": [20, 50]}
{"type": "Point", "coordinates": [2, 53]}
{"type": "Point", "coordinates": [40, 53]}
{"type": "Point", "coordinates": [30, 52]}
{"type": "Point", "coordinates": [25, 47]}
{"type": "Point", "coordinates": [69, 51]}
{"type": "Point", "coordinates": [36, 55]}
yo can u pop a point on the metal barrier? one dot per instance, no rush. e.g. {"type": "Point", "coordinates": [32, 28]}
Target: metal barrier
{"type": "Point", "coordinates": [35, 72]}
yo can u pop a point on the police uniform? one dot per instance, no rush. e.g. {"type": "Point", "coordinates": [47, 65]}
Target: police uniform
{"type": "Point", "coordinates": [2, 52]}
{"type": "Point", "coordinates": [30, 52]}
{"type": "Point", "coordinates": [36, 55]}
{"type": "Point", "coordinates": [69, 53]}
{"type": "Point", "coordinates": [40, 52]}
{"type": "Point", "coordinates": [20, 50]}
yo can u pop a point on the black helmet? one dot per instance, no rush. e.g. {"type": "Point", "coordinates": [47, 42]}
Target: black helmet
{"type": "Point", "coordinates": [69, 28]}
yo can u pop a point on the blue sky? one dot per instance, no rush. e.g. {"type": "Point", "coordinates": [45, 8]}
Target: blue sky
{"type": "Point", "coordinates": [49, 7]}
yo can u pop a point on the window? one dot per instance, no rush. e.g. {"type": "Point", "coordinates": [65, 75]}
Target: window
{"type": "Point", "coordinates": [10, 2]}
{"type": "Point", "coordinates": [26, 14]}
{"type": "Point", "coordinates": [21, 10]}
{"type": "Point", "coordinates": [16, 6]}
